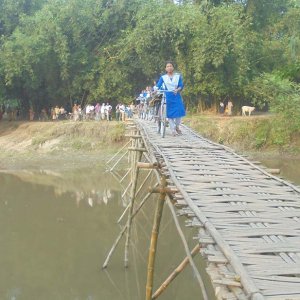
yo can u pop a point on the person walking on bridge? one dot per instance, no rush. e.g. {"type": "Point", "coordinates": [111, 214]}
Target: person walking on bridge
{"type": "Point", "coordinates": [173, 83]}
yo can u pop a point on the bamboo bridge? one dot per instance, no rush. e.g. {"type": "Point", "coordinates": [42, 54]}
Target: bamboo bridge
{"type": "Point", "coordinates": [247, 220]}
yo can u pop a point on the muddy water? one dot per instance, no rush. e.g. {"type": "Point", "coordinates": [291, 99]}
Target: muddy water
{"type": "Point", "coordinates": [56, 229]}
{"type": "Point", "coordinates": [55, 232]}
{"type": "Point", "coordinates": [289, 167]}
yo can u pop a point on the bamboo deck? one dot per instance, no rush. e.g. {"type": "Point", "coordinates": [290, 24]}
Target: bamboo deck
{"type": "Point", "coordinates": [248, 220]}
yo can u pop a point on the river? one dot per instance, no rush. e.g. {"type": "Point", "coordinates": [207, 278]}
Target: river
{"type": "Point", "coordinates": [56, 229]}
{"type": "Point", "coordinates": [289, 167]}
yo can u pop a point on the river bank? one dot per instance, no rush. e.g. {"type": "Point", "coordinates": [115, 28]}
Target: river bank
{"type": "Point", "coordinates": [259, 137]}
{"type": "Point", "coordinates": [57, 145]}
{"type": "Point", "coordinates": [256, 135]}
{"type": "Point", "coordinates": [67, 145]}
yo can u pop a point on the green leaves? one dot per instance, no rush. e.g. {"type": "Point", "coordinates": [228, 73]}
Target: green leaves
{"type": "Point", "coordinates": [97, 50]}
{"type": "Point", "coordinates": [281, 95]}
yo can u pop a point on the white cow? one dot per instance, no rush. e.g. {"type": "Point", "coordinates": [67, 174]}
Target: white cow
{"type": "Point", "coordinates": [248, 109]}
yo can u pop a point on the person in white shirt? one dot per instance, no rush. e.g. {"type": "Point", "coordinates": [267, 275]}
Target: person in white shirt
{"type": "Point", "coordinates": [122, 111]}
{"type": "Point", "coordinates": [102, 111]}
{"type": "Point", "coordinates": [108, 111]}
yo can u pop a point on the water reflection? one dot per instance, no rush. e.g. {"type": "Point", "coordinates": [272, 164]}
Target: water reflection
{"type": "Point", "coordinates": [94, 197]}
{"type": "Point", "coordinates": [94, 189]}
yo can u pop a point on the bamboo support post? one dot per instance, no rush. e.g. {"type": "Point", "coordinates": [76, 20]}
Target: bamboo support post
{"type": "Point", "coordinates": [124, 229]}
{"type": "Point", "coordinates": [165, 190]}
{"type": "Point", "coordinates": [137, 149]}
{"type": "Point", "coordinates": [114, 246]}
{"type": "Point", "coordinates": [176, 272]}
{"type": "Point", "coordinates": [135, 171]}
{"type": "Point", "coordinates": [154, 238]}
{"type": "Point", "coordinates": [196, 272]}
{"type": "Point", "coordinates": [144, 165]}
{"type": "Point", "coordinates": [133, 136]}
{"type": "Point", "coordinates": [143, 183]}
{"type": "Point", "coordinates": [273, 171]}
{"type": "Point", "coordinates": [127, 207]}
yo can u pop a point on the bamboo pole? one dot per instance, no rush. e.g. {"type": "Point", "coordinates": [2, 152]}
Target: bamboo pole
{"type": "Point", "coordinates": [137, 149]}
{"type": "Point", "coordinates": [181, 234]}
{"type": "Point", "coordinates": [112, 168]}
{"type": "Point", "coordinates": [123, 214]}
{"type": "Point", "coordinates": [117, 153]}
{"type": "Point", "coordinates": [143, 183]}
{"type": "Point", "coordinates": [145, 165]}
{"type": "Point", "coordinates": [116, 175]}
{"type": "Point", "coordinates": [154, 237]}
{"type": "Point", "coordinates": [273, 171]}
{"type": "Point", "coordinates": [196, 272]}
{"type": "Point", "coordinates": [176, 272]}
{"type": "Point", "coordinates": [129, 170]}
{"type": "Point", "coordinates": [137, 155]}
{"type": "Point", "coordinates": [123, 230]}
{"type": "Point", "coordinates": [127, 207]}
{"type": "Point", "coordinates": [114, 246]}
{"type": "Point", "coordinates": [126, 190]}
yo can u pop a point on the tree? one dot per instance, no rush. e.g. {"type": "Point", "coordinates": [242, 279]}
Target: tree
{"type": "Point", "coordinates": [11, 12]}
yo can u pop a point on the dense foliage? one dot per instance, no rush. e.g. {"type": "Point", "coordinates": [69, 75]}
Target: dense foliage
{"type": "Point", "coordinates": [61, 51]}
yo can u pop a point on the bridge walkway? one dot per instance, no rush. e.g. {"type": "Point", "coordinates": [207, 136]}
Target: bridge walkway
{"type": "Point", "coordinates": [248, 221]}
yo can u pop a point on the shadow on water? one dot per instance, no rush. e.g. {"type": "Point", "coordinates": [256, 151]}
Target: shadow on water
{"type": "Point", "coordinates": [56, 230]}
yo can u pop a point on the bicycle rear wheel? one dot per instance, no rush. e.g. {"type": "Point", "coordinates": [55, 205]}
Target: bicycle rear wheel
{"type": "Point", "coordinates": [157, 112]}
{"type": "Point", "coordinates": [163, 121]}
{"type": "Point", "coordinates": [158, 125]}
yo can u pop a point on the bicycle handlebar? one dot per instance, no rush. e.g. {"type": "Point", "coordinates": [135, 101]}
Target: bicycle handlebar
{"type": "Point", "coordinates": [164, 91]}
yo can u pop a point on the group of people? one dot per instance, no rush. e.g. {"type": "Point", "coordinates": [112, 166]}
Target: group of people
{"type": "Point", "coordinates": [226, 108]}
{"type": "Point", "coordinates": [96, 112]}
{"type": "Point", "coordinates": [12, 112]}
{"type": "Point", "coordinates": [171, 83]}
{"type": "Point", "coordinates": [143, 106]}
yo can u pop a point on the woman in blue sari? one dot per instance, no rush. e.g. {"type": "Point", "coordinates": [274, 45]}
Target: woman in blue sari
{"type": "Point", "coordinates": [173, 83]}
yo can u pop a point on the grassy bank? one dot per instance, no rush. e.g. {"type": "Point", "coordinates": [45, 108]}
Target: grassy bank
{"type": "Point", "coordinates": [248, 134]}
{"type": "Point", "coordinates": [53, 136]}
{"type": "Point", "coordinates": [59, 145]}
{"type": "Point", "coordinates": [35, 141]}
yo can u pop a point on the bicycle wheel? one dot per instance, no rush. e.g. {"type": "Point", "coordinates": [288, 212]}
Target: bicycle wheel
{"type": "Point", "coordinates": [163, 122]}
{"type": "Point", "coordinates": [157, 117]}
{"type": "Point", "coordinates": [158, 126]}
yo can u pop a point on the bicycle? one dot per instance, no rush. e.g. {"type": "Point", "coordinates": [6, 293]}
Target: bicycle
{"type": "Point", "coordinates": [161, 113]}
